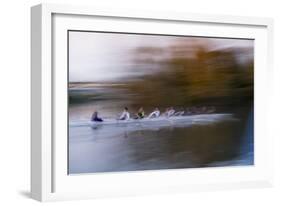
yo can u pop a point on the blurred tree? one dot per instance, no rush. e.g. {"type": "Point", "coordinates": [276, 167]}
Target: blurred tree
{"type": "Point", "coordinates": [193, 74]}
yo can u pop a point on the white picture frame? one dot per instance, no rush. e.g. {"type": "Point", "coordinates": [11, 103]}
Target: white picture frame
{"type": "Point", "coordinates": [49, 178]}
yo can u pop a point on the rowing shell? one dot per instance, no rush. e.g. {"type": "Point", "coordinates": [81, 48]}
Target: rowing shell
{"type": "Point", "coordinates": [191, 119]}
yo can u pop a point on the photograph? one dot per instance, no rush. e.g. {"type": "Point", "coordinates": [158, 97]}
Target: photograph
{"type": "Point", "coordinates": [139, 102]}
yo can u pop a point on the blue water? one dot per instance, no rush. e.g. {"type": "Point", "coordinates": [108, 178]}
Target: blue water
{"type": "Point", "coordinates": [120, 148]}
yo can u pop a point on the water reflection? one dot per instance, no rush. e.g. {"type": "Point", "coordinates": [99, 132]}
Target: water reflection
{"type": "Point", "coordinates": [120, 148]}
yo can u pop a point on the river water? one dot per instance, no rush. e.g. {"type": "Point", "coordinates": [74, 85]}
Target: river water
{"type": "Point", "coordinates": [114, 148]}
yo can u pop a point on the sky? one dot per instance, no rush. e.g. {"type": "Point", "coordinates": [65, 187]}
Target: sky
{"type": "Point", "coordinates": [108, 57]}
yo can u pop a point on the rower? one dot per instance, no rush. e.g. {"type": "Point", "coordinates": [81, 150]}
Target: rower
{"type": "Point", "coordinates": [125, 115]}
{"type": "Point", "coordinates": [95, 117]}
{"type": "Point", "coordinates": [211, 110]}
{"type": "Point", "coordinates": [169, 112]}
{"type": "Point", "coordinates": [155, 113]}
{"type": "Point", "coordinates": [140, 114]}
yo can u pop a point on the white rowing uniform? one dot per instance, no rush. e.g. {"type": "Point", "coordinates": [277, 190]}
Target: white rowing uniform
{"type": "Point", "coordinates": [170, 112]}
{"type": "Point", "coordinates": [125, 116]}
{"type": "Point", "coordinates": [155, 114]}
{"type": "Point", "coordinates": [180, 113]}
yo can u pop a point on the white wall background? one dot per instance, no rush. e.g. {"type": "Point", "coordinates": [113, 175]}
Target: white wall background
{"type": "Point", "coordinates": [15, 101]}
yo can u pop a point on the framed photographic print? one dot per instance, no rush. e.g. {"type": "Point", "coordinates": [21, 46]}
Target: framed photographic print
{"type": "Point", "coordinates": [133, 102]}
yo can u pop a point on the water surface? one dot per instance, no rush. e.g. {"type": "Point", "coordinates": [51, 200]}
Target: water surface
{"type": "Point", "coordinates": [116, 148]}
